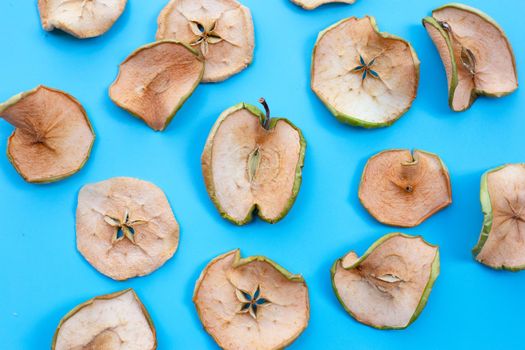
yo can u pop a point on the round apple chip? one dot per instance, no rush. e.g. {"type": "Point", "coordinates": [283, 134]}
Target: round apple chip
{"type": "Point", "coordinates": [313, 4]}
{"type": "Point", "coordinates": [402, 189]}
{"type": "Point", "coordinates": [253, 163]}
{"type": "Point", "coordinates": [502, 241]}
{"type": "Point", "coordinates": [366, 78]}
{"type": "Point", "coordinates": [155, 81]}
{"type": "Point", "coordinates": [52, 138]}
{"type": "Point", "coordinates": [477, 55]}
{"type": "Point", "coordinates": [222, 30]}
{"type": "Point", "coordinates": [108, 322]}
{"type": "Point", "coordinates": [80, 18]}
{"type": "Point", "coordinates": [251, 303]}
{"type": "Point", "coordinates": [388, 287]}
{"type": "Point", "coordinates": [125, 227]}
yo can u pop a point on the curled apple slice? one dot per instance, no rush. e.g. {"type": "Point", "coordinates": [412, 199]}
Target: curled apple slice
{"type": "Point", "coordinates": [125, 227]}
{"type": "Point", "coordinates": [365, 77]}
{"type": "Point", "coordinates": [155, 81]}
{"type": "Point", "coordinates": [502, 241]}
{"type": "Point", "coordinates": [80, 18]}
{"type": "Point", "coordinates": [477, 55]}
{"type": "Point", "coordinates": [401, 189]}
{"type": "Point", "coordinates": [251, 303]}
{"type": "Point", "coordinates": [222, 30]}
{"type": "Point", "coordinates": [313, 4]}
{"type": "Point", "coordinates": [107, 322]}
{"type": "Point", "coordinates": [388, 287]}
{"type": "Point", "coordinates": [52, 138]}
{"type": "Point", "coordinates": [253, 163]}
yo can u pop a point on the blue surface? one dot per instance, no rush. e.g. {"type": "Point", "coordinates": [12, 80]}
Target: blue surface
{"type": "Point", "coordinates": [43, 276]}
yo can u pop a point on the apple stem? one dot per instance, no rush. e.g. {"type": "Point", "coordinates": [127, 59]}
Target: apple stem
{"type": "Point", "coordinates": [266, 120]}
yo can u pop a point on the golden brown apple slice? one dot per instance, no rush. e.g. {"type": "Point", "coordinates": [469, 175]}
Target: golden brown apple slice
{"type": "Point", "coordinates": [251, 303]}
{"type": "Point", "coordinates": [477, 55]}
{"type": "Point", "coordinates": [155, 81]}
{"type": "Point", "coordinates": [313, 4]}
{"type": "Point", "coordinates": [502, 241]}
{"type": "Point", "coordinates": [401, 189]}
{"type": "Point", "coordinates": [388, 287]}
{"type": "Point", "coordinates": [107, 322]}
{"type": "Point", "coordinates": [125, 227]}
{"type": "Point", "coordinates": [252, 163]}
{"type": "Point", "coordinates": [222, 31]}
{"type": "Point", "coordinates": [53, 135]}
{"type": "Point", "coordinates": [80, 18]}
{"type": "Point", "coordinates": [364, 77]}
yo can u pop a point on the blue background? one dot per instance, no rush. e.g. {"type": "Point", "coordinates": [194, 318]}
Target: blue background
{"type": "Point", "coordinates": [42, 276]}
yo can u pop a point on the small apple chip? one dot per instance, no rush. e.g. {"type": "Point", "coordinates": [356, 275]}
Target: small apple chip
{"type": "Point", "coordinates": [222, 31]}
{"type": "Point", "coordinates": [107, 322]}
{"type": "Point", "coordinates": [313, 4]}
{"type": "Point", "coordinates": [80, 18]}
{"type": "Point", "coordinates": [251, 303]}
{"type": "Point", "coordinates": [502, 241]}
{"type": "Point", "coordinates": [125, 227]}
{"type": "Point", "coordinates": [477, 55]}
{"type": "Point", "coordinates": [253, 163]}
{"type": "Point", "coordinates": [388, 287]}
{"type": "Point", "coordinates": [52, 138]}
{"type": "Point", "coordinates": [365, 78]}
{"type": "Point", "coordinates": [401, 189]}
{"type": "Point", "coordinates": [155, 81]}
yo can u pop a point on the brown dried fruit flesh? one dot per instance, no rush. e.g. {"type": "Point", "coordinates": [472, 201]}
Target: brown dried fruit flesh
{"type": "Point", "coordinates": [80, 18]}
{"type": "Point", "coordinates": [125, 227]}
{"type": "Point", "coordinates": [253, 163]}
{"type": "Point", "coordinates": [365, 77]}
{"type": "Point", "coordinates": [53, 136]}
{"type": "Point", "coordinates": [251, 303]}
{"type": "Point", "coordinates": [401, 189]}
{"type": "Point", "coordinates": [477, 55]}
{"type": "Point", "coordinates": [108, 322]}
{"type": "Point", "coordinates": [222, 31]}
{"type": "Point", "coordinates": [313, 4]}
{"type": "Point", "coordinates": [501, 243]}
{"type": "Point", "coordinates": [388, 287]}
{"type": "Point", "coordinates": [155, 81]}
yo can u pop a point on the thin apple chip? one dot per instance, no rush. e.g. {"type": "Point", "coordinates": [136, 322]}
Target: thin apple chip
{"type": "Point", "coordinates": [313, 4]}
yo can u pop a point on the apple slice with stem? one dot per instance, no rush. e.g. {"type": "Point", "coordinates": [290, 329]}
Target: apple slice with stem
{"type": "Point", "coordinates": [476, 54]}
{"type": "Point", "coordinates": [253, 163]}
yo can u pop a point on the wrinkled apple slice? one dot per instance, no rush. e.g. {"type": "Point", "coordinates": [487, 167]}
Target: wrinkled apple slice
{"type": "Point", "coordinates": [80, 18]}
{"type": "Point", "coordinates": [125, 227]}
{"type": "Point", "coordinates": [477, 55]}
{"type": "Point", "coordinates": [52, 138]}
{"type": "Point", "coordinates": [222, 30]}
{"type": "Point", "coordinates": [502, 242]}
{"type": "Point", "coordinates": [251, 303]}
{"type": "Point", "coordinates": [155, 81]}
{"type": "Point", "coordinates": [366, 78]}
{"type": "Point", "coordinates": [108, 322]}
{"type": "Point", "coordinates": [253, 163]}
{"type": "Point", "coordinates": [388, 287]}
{"type": "Point", "coordinates": [401, 189]}
{"type": "Point", "coordinates": [313, 4]}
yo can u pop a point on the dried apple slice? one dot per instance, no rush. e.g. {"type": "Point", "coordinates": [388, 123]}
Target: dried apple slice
{"type": "Point", "coordinates": [253, 163]}
{"type": "Point", "coordinates": [476, 54]}
{"type": "Point", "coordinates": [80, 18]}
{"type": "Point", "coordinates": [155, 81]}
{"type": "Point", "coordinates": [401, 189]}
{"type": "Point", "coordinates": [125, 227]}
{"type": "Point", "coordinates": [388, 287]}
{"type": "Point", "coordinates": [251, 303]}
{"type": "Point", "coordinates": [107, 322]}
{"type": "Point", "coordinates": [222, 31]}
{"type": "Point", "coordinates": [366, 78]}
{"type": "Point", "coordinates": [502, 242]}
{"type": "Point", "coordinates": [313, 4]}
{"type": "Point", "coordinates": [53, 136]}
